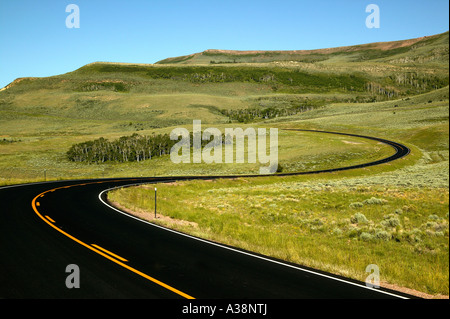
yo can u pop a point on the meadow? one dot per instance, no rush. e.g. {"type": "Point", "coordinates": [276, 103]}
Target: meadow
{"type": "Point", "coordinates": [393, 215]}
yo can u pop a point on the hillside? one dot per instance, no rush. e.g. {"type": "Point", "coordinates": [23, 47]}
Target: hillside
{"type": "Point", "coordinates": [420, 50]}
{"type": "Point", "coordinates": [161, 95]}
{"type": "Point", "coordinates": [41, 118]}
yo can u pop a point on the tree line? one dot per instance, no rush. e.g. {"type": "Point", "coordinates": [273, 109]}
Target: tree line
{"type": "Point", "coordinates": [257, 114]}
{"type": "Point", "coordinates": [134, 148]}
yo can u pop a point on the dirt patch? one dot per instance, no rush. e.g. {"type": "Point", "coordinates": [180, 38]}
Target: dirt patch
{"type": "Point", "coordinates": [412, 292]}
{"type": "Point", "coordinates": [150, 216]}
{"type": "Point", "coordinates": [353, 143]}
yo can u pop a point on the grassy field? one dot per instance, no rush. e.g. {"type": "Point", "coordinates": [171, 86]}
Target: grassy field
{"type": "Point", "coordinates": [32, 158]}
{"type": "Point", "coordinates": [337, 226]}
{"type": "Point", "coordinates": [394, 215]}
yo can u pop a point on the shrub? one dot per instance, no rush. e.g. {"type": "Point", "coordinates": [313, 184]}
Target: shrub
{"type": "Point", "coordinates": [356, 205]}
{"type": "Point", "coordinates": [431, 225]}
{"type": "Point", "coordinates": [415, 235]}
{"type": "Point", "coordinates": [359, 218]}
{"type": "Point", "coordinates": [375, 201]}
{"type": "Point", "coordinates": [382, 235]}
{"type": "Point", "coordinates": [439, 227]}
{"type": "Point", "coordinates": [366, 236]}
{"type": "Point", "coordinates": [429, 233]}
{"type": "Point", "coordinates": [390, 221]}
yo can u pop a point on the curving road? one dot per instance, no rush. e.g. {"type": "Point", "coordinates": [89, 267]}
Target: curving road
{"type": "Point", "coordinates": [47, 226]}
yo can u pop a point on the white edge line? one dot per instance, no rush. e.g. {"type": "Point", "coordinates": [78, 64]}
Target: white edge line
{"type": "Point", "coordinates": [232, 249]}
{"type": "Point", "coordinates": [21, 185]}
{"type": "Point", "coordinates": [40, 183]}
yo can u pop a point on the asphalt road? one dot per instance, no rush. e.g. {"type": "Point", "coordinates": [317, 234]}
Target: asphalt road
{"type": "Point", "coordinates": [45, 227]}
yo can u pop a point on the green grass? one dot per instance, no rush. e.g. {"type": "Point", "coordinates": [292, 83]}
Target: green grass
{"type": "Point", "coordinates": [32, 156]}
{"type": "Point", "coordinates": [394, 215]}
{"type": "Point", "coordinates": [49, 115]}
{"type": "Point", "coordinates": [313, 221]}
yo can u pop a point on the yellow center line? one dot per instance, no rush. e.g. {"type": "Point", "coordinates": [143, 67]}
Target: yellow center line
{"type": "Point", "coordinates": [108, 252]}
{"type": "Point", "coordinates": [48, 217]}
{"type": "Point", "coordinates": [98, 251]}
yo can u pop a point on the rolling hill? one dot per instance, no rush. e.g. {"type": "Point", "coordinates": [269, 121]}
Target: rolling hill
{"type": "Point", "coordinates": [41, 118]}
{"type": "Point", "coordinates": [165, 94]}
{"type": "Point", "coordinates": [419, 50]}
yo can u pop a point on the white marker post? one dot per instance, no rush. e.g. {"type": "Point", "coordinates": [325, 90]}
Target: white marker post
{"type": "Point", "coordinates": [155, 202]}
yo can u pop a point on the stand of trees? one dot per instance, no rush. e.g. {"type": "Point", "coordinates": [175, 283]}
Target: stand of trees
{"type": "Point", "coordinates": [257, 114]}
{"type": "Point", "coordinates": [134, 148]}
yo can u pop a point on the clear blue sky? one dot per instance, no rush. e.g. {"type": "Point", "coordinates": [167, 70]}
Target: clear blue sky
{"type": "Point", "coordinates": [34, 39]}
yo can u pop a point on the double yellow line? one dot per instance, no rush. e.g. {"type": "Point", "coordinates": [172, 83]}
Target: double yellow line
{"type": "Point", "coordinates": [97, 249]}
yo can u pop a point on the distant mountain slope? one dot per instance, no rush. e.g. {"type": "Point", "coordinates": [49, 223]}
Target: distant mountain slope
{"type": "Point", "coordinates": [419, 50]}
{"type": "Point", "coordinates": [168, 93]}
